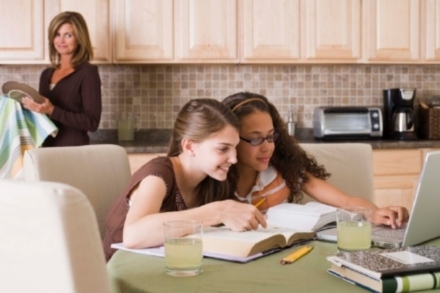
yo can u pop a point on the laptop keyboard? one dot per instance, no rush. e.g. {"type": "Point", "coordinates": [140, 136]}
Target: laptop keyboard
{"type": "Point", "coordinates": [389, 233]}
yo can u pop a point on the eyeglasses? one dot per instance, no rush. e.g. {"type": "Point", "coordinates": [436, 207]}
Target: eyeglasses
{"type": "Point", "coordinates": [259, 140]}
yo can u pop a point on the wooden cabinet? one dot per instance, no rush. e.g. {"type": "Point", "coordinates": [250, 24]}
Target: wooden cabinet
{"type": "Point", "coordinates": [24, 25]}
{"type": "Point", "coordinates": [233, 31]}
{"type": "Point", "coordinates": [396, 176]}
{"type": "Point", "coordinates": [184, 31]}
{"type": "Point", "coordinates": [431, 29]}
{"type": "Point", "coordinates": [271, 30]}
{"type": "Point", "coordinates": [143, 30]}
{"type": "Point", "coordinates": [138, 160]}
{"type": "Point", "coordinates": [331, 30]}
{"type": "Point", "coordinates": [206, 30]}
{"type": "Point", "coordinates": [22, 32]}
{"type": "Point", "coordinates": [392, 31]}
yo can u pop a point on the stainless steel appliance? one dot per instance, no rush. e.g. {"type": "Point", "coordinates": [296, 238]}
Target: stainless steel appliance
{"type": "Point", "coordinates": [347, 122]}
{"type": "Point", "coordinates": [399, 113]}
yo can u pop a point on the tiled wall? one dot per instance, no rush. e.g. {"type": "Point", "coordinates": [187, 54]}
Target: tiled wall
{"type": "Point", "coordinates": [155, 93]}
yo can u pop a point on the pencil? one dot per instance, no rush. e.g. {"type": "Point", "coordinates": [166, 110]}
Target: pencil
{"type": "Point", "coordinates": [260, 202]}
{"type": "Point", "coordinates": [296, 255]}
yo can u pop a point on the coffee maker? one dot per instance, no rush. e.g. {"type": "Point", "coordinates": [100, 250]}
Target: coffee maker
{"type": "Point", "coordinates": [399, 114]}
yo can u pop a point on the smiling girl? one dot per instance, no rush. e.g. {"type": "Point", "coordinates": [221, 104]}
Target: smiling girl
{"type": "Point", "coordinates": [272, 165]}
{"type": "Point", "coordinates": [188, 184]}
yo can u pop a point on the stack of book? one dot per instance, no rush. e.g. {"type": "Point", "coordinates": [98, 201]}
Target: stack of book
{"type": "Point", "coordinates": [405, 269]}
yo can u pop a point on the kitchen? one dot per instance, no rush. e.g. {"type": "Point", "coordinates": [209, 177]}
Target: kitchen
{"type": "Point", "coordinates": [298, 54]}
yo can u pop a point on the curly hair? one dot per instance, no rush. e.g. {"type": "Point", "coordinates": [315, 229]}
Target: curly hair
{"type": "Point", "coordinates": [288, 158]}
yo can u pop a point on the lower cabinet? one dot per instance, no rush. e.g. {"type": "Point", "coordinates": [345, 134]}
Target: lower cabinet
{"type": "Point", "coordinates": [138, 160]}
{"type": "Point", "coordinates": [396, 176]}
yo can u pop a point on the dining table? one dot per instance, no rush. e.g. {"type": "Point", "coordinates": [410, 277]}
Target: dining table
{"type": "Point", "coordinates": [131, 272]}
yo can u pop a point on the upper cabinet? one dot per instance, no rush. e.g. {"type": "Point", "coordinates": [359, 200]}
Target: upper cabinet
{"type": "Point", "coordinates": [184, 31]}
{"type": "Point", "coordinates": [206, 30]}
{"type": "Point", "coordinates": [23, 40]}
{"type": "Point", "coordinates": [270, 32]}
{"type": "Point", "coordinates": [392, 31]}
{"type": "Point", "coordinates": [331, 30]}
{"type": "Point", "coordinates": [233, 31]}
{"type": "Point", "coordinates": [431, 27]}
{"type": "Point", "coordinates": [143, 31]}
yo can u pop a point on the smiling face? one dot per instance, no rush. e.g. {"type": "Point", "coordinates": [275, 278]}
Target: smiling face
{"type": "Point", "coordinates": [215, 154]}
{"type": "Point", "coordinates": [256, 124]}
{"type": "Point", "coordinates": [65, 41]}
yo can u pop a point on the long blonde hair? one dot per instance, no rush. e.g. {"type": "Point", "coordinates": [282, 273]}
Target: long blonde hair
{"type": "Point", "coordinates": [84, 51]}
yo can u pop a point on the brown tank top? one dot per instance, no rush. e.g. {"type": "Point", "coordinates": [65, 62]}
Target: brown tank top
{"type": "Point", "coordinates": [173, 201]}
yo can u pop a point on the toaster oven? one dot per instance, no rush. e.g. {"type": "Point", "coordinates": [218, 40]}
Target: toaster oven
{"type": "Point", "coordinates": [347, 122]}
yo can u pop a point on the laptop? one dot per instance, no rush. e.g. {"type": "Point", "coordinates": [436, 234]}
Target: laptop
{"type": "Point", "coordinates": [424, 220]}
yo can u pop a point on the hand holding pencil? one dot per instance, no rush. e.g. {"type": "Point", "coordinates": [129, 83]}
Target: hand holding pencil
{"type": "Point", "coordinates": [260, 202]}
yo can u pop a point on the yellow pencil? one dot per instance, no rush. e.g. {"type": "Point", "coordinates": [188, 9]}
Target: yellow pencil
{"type": "Point", "coordinates": [296, 255]}
{"type": "Point", "coordinates": [260, 202]}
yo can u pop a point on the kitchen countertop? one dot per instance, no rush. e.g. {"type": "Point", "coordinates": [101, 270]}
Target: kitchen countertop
{"type": "Point", "coordinates": [157, 140]}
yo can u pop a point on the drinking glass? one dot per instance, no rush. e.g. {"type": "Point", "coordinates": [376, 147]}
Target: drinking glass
{"type": "Point", "coordinates": [183, 248]}
{"type": "Point", "coordinates": [354, 228]}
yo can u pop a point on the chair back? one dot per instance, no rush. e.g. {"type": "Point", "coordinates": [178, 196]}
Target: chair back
{"type": "Point", "coordinates": [101, 172]}
{"type": "Point", "coordinates": [49, 240]}
{"type": "Point", "coordinates": [350, 165]}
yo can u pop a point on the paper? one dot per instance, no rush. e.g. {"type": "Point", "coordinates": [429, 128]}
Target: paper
{"type": "Point", "coordinates": [160, 251]}
{"type": "Point", "coordinates": [407, 257]}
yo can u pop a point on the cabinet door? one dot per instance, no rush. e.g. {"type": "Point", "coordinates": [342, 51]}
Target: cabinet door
{"type": "Point", "coordinates": [206, 30]}
{"type": "Point", "coordinates": [432, 29]}
{"type": "Point", "coordinates": [96, 14]}
{"type": "Point", "coordinates": [22, 32]}
{"type": "Point", "coordinates": [331, 30]}
{"type": "Point", "coordinates": [143, 31]}
{"type": "Point", "coordinates": [138, 160]}
{"type": "Point", "coordinates": [392, 30]}
{"type": "Point", "coordinates": [396, 175]}
{"type": "Point", "coordinates": [270, 31]}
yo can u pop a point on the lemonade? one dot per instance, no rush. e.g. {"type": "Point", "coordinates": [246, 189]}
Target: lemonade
{"type": "Point", "coordinates": [183, 256]}
{"type": "Point", "coordinates": [355, 235]}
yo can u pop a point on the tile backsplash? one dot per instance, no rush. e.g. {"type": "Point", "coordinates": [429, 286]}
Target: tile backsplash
{"type": "Point", "coordinates": [155, 93]}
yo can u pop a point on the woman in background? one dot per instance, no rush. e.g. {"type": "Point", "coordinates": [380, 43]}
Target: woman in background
{"type": "Point", "coordinates": [72, 86]}
{"type": "Point", "coordinates": [187, 184]}
{"type": "Point", "coordinates": [272, 165]}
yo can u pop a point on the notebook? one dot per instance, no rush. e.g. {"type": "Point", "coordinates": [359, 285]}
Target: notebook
{"type": "Point", "coordinates": [424, 217]}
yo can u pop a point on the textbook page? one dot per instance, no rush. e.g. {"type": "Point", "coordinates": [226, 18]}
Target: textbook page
{"type": "Point", "coordinates": [308, 217]}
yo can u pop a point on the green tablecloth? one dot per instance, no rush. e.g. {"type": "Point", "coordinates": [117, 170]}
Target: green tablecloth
{"type": "Point", "coordinates": [131, 272]}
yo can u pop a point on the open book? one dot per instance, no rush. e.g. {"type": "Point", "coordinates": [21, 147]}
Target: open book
{"type": "Point", "coordinates": [223, 243]}
{"type": "Point", "coordinates": [308, 217]}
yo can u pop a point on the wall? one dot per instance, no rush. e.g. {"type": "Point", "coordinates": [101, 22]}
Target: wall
{"type": "Point", "coordinates": [155, 93]}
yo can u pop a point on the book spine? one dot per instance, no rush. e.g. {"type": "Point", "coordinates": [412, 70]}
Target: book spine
{"type": "Point", "coordinates": [411, 283]}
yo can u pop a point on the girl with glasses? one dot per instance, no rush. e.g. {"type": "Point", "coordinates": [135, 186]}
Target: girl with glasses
{"type": "Point", "coordinates": [272, 168]}
{"type": "Point", "coordinates": [187, 184]}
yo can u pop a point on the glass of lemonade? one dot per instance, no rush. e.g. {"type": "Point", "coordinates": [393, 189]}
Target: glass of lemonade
{"type": "Point", "coordinates": [354, 228]}
{"type": "Point", "coordinates": [183, 248]}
